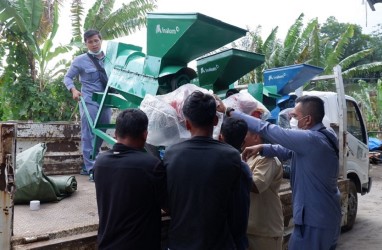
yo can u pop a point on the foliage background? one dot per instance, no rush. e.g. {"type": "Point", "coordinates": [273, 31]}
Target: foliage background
{"type": "Point", "coordinates": [32, 87]}
{"type": "Point", "coordinates": [32, 71]}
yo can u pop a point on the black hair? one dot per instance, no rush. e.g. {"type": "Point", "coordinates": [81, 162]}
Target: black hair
{"type": "Point", "coordinates": [200, 109]}
{"type": "Point", "coordinates": [313, 106]}
{"type": "Point", "coordinates": [231, 92]}
{"type": "Point", "coordinates": [131, 123]}
{"type": "Point", "coordinates": [234, 131]}
{"type": "Point", "coordinates": [90, 33]}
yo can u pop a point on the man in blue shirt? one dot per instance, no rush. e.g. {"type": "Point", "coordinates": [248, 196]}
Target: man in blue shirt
{"type": "Point", "coordinates": [314, 166]}
{"type": "Point", "coordinates": [233, 131]}
{"type": "Point", "coordinates": [84, 67]}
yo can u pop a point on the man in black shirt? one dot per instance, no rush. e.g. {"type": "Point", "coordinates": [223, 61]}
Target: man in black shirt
{"type": "Point", "coordinates": [130, 186]}
{"type": "Point", "coordinates": [202, 176]}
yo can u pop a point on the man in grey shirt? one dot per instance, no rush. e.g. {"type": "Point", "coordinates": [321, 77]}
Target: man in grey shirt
{"type": "Point", "coordinates": [84, 67]}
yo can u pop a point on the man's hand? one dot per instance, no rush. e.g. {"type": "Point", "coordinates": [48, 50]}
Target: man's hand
{"type": "Point", "coordinates": [76, 94]}
{"type": "Point", "coordinates": [251, 151]}
{"type": "Point", "coordinates": [220, 107]}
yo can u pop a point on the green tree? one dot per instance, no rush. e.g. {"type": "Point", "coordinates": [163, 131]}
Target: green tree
{"type": "Point", "coordinates": [28, 28]}
{"type": "Point", "coordinates": [299, 46]}
{"type": "Point", "coordinates": [254, 42]}
{"type": "Point", "coordinates": [332, 30]}
{"type": "Point", "coordinates": [30, 85]}
{"type": "Point", "coordinates": [369, 96]}
{"type": "Point", "coordinates": [347, 46]}
{"type": "Point", "coordinates": [376, 43]}
{"type": "Point", "coordinates": [333, 46]}
{"type": "Point", "coordinates": [21, 99]}
{"type": "Point", "coordinates": [32, 25]}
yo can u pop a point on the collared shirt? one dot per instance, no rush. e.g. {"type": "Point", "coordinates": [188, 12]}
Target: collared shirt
{"type": "Point", "coordinates": [265, 215]}
{"type": "Point", "coordinates": [84, 67]}
{"type": "Point", "coordinates": [314, 170]}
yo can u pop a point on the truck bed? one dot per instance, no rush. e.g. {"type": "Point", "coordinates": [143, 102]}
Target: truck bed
{"type": "Point", "coordinates": [73, 219]}
{"type": "Point", "coordinates": [72, 216]}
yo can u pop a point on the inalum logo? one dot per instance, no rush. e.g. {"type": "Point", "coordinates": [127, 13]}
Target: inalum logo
{"type": "Point", "coordinates": [270, 78]}
{"type": "Point", "coordinates": [210, 69]}
{"type": "Point", "coordinates": [162, 30]}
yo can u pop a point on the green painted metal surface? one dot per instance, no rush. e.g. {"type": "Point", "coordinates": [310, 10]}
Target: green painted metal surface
{"type": "Point", "coordinates": [181, 38]}
{"type": "Point", "coordinates": [133, 86]}
{"type": "Point", "coordinates": [226, 67]}
{"type": "Point", "coordinates": [112, 100]}
{"type": "Point", "coordinates": [152, 66]}
{"type": "Point", "coordinates": [271, 91]}
{"type": "Point", "coordinates": [119, 55]}
{"type": "Point", "coordinates": [173, 40]}
{"type": "Point", "coordinates": [256, 90]}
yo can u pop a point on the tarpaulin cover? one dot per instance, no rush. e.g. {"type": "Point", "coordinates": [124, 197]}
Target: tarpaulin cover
{"type": "Point", "coordinates": [375, 144]}
{"type": "Point", "coordinates": [33, 184]}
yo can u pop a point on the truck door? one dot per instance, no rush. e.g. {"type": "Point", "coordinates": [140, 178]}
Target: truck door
{"type": "Point", "coordinates": [357, 149]}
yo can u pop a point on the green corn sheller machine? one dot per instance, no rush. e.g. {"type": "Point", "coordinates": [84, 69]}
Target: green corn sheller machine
{"type": "Point", "coordinates": [173, 40]}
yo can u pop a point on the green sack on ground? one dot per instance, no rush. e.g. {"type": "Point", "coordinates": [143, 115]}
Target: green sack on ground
{"type": "Point", "coordinates": [33, 184]}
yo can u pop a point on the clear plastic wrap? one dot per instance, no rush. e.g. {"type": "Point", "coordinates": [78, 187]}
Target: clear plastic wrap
{"type": "Point", "coordinates": [247, 104]}
{"type": "Point", "coordinates": [283, 119]}
{"type": "Point", "coordinates": [166, 120]}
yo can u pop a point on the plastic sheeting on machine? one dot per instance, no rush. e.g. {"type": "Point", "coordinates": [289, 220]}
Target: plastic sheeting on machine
{"type": "Point", "coordinates": [33, 184]}
{"type": "Point", "coordinates": [166, 120]}
{"type": "Point", "coordinates": [246, 103]}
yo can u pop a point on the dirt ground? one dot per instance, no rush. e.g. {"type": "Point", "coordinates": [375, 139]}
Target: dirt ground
{"type": "Point", "coordinates": [367, 231]}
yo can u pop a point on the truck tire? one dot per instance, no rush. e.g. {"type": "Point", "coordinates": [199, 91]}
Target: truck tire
{"type": "Point", "coordinates": [352, 207]}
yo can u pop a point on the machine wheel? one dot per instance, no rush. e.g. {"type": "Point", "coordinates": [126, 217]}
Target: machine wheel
{"type": "Point", "coordinates": [179, 80]}
{"type": "Point", "coordinates": [352, 207]}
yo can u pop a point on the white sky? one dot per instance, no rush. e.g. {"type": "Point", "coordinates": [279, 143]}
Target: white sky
{"type": "Point", "coordinates": [272, 13]}
{"type": "Point", "coordinates": [251, 13]}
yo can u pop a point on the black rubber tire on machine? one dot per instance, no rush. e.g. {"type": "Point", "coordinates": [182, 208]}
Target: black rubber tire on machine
{"type": "Point", "coordinates": [179, 80]}
{"type": "Point", "coordinates": [352, 207]}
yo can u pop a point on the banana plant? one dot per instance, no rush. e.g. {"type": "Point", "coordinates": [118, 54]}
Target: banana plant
{"type": "Point", "coordinates": [299, 46]}
{"type": "Point", "coordinates": [349, 64]}
{"type": "Point", "coordinates": [111, 24]}
{"type": "Point", "coordinates": [32, 25]}
{"type": "Point", "coordinates": [370, 98]}
{"type": "Point", "coordinates": [307, 45]}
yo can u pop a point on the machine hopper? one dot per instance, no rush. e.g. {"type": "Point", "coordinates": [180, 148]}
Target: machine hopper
{"type": "Point", "coordinates": [218, 71]}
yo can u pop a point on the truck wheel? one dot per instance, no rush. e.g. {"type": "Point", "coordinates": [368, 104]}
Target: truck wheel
{"type": "Point", "coordinates": [352, 207]}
